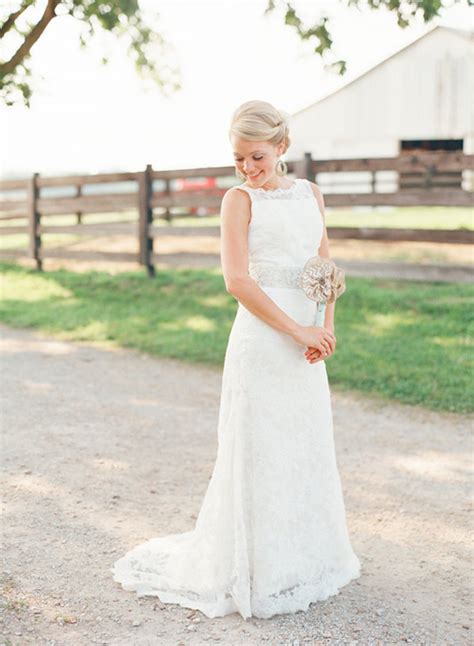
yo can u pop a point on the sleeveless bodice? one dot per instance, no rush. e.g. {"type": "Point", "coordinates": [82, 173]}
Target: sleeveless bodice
{"type": "Point", "coordinates": [286, 226]}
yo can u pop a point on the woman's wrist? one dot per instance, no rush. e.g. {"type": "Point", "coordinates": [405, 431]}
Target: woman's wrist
{"type": "Point", "coordinates": [329, 325]}
{"type": "Point", "coordinates": [295, 333]}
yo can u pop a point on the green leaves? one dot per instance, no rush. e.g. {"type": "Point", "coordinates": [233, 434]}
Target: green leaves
{"type": "Point", "coordinates": [146, 47]}
{"type": "Point", "coordinates": [405, 12]}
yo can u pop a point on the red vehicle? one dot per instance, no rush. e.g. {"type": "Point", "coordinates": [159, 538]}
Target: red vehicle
{"type": "Point", "coordinates": [196, 184]}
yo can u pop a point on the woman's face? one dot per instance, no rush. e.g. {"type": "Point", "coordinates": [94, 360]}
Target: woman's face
{"type": "Point", "coordinates": [256, 159]}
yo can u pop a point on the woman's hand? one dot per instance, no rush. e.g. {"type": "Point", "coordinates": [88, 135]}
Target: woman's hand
{"type": "Point", "coordinates": [313, 355]}
{"type": "Point", "coordinates": [317, 340]}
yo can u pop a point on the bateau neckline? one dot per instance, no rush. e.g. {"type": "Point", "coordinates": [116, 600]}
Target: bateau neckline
{"type": "Point", "coordinates": [273, 190]}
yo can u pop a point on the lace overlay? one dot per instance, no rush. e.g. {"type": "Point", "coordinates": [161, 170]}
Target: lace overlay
{"type": "Point", "coordinates": [271, 536]}
{"type": "Point", "coordinates": [273, 275]}
{"type": "Point", "coordinates": [299, 190]}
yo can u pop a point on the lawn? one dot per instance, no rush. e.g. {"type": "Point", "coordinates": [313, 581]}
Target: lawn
{"type": "Point", "coordinates": [422, 217]}
{"type": "Point", "coordinates": [407, 341]}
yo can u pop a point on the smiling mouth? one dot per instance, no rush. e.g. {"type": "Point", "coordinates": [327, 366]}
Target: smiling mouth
{"type": "Point", "coordinates": [254, 176]}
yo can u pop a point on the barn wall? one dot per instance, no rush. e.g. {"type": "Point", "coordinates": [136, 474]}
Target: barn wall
{"type": "Point", "coordinates": [422, 92]}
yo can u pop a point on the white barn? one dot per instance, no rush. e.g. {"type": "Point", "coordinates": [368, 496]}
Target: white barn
{"type": "Point", "coordinates": [420, 98]}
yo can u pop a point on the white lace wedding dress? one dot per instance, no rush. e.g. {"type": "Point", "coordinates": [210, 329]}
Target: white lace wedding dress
{"type": "Point", "coordinates": [271, 536]}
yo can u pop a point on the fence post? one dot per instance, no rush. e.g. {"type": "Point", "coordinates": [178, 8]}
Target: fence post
{"type": "Point", "coordinates": [79, 213]}
{"type": "Point", "coordinates": [304, 167]}
{"type": "Point", "coordinates": [167, 214]}
{"type": "Point", "coordinates": [373, 181]}
{"type": "Point", "coordinates": [145, 218]}
{"type": "Point", "coordinates": [34, 220]}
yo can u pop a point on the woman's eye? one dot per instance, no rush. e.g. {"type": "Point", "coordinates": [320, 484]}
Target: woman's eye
{"type": "Point", "coordinates": [255, 158]}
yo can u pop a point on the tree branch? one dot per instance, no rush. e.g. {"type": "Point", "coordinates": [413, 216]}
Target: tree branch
{"type": "Point", "coordinates": [10, 21]}
{"type": "Point", "coordinates": [24, 49]}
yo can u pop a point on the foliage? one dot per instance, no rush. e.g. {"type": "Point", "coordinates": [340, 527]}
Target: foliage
{"type": "Point", "coordinates": [406, 11]}
{"type": "Point", "coordinates": [123, 18]}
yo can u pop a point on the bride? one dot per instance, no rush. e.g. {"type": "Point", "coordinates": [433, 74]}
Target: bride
{"type": "Point", "coordinates": [271, 536]}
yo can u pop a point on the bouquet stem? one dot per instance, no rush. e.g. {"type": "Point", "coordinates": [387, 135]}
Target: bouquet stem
{"type": "Point", "coordinates": [319, 314]}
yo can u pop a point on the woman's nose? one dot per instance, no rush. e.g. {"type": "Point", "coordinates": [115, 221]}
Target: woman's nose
{"type": "Point", "coordinates": [248, 166]}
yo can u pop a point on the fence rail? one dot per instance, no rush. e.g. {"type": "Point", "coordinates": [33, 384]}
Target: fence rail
{"type": "Point", "coordinates": [436, 178]}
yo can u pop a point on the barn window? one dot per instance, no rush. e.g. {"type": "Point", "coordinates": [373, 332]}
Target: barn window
{"type": "Point", "coordinates": [413, 180]}
{"type": "Point", "coordinates": [410, 145]}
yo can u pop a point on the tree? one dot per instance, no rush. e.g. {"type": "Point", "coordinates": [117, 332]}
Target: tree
{"type": "Point", "coordinates": [406, 11]}
{"type": "Point", "coordinates": [147, 48]}
{"type": "Point", "coordinates": [122, 18]}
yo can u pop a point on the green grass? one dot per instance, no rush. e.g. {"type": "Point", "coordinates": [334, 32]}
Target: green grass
{"type": "Point", "coordinates": [418, 217]}
{"type": "Point", "coordinates": [407, 341]}
{"type": "Point", "coordinates": [415, 217]}
{"type": "Point", "coordinates": [19, 240]}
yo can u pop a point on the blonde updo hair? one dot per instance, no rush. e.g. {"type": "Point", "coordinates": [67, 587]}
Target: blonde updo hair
{"type": "Point", "coordinates": [260, 121]}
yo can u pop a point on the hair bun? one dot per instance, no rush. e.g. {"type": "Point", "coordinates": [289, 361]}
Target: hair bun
{"type": "Point", "coordinates": [284, 117]}
{"type": "Point", "coordinates": [261, 121]}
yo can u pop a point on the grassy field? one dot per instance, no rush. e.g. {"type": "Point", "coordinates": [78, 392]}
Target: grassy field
{"type": "Point", "coordinates": [402, 217]}
{"type": "Point", "coordinates": [416, 217]}
{"type": "Point", "coordinates": [408, 341]}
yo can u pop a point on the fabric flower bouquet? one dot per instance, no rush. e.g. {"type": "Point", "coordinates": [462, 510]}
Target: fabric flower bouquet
{"type": "Point", "coordinates": [322, 281]}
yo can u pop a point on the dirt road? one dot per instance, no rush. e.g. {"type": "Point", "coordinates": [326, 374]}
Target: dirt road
{"type": "Point", "coordinates": [103, 449]}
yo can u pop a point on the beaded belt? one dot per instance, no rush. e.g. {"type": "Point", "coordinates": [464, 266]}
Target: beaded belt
{"type": "Point", "coordinates": [270, 274]}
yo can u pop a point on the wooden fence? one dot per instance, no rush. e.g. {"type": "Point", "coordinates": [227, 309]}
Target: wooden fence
{"type": "Point", "coordinates": [420, 179]}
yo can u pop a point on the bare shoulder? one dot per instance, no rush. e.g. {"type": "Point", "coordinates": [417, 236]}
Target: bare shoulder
{"type": "Point", "coordinates": [236, 202]}
{"type": "Point", "coordinates": [315, 188]}
{"type": "Point", "coordinates": [318, 195]}
{"type": "Point", "coordinates": [235, 196]}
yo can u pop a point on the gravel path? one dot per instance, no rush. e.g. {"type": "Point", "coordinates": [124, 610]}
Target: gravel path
{"type": "Point", "coordinates": [104, 448]}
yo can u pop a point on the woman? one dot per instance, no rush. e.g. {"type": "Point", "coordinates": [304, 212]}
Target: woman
{"type": "Point", "coordinates": [271, 536]}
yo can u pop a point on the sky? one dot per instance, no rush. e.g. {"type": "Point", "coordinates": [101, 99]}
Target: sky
{"type": "Point", "coordinates": [89, 118]}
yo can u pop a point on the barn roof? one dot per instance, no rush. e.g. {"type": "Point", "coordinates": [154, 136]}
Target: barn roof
{"type": "Point", "coordinates": [462, 33]}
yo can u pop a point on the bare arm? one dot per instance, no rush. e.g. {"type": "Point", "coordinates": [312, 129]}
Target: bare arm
{"type": "Point", "coordinates": [235, 218]}
{"type": "Point", "coordinates": [324, 251]}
